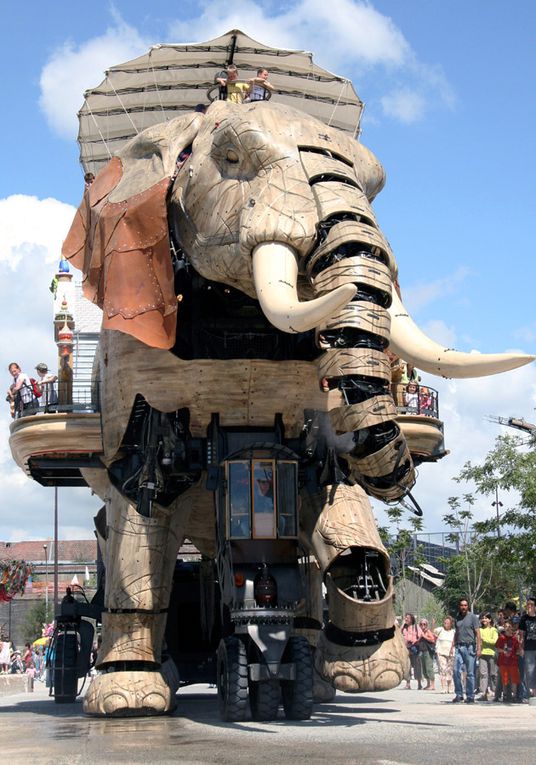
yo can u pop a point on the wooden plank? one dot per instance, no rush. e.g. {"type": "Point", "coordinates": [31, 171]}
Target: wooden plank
{"type": "Point", "coordinates": [244, 392]}
{"type": "Point", "coordinates": [54, 435]}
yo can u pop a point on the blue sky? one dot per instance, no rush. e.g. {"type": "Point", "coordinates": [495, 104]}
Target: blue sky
{"type": "Point", "coordinates": [449, 93]}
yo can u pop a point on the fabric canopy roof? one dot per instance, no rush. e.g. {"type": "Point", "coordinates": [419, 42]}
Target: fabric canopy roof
{"type": "Point", "coordinates": [172, 79]}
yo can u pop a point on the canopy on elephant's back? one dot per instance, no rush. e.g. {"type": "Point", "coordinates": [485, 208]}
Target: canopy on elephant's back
{"type": "Point", "coordinates": [171, 79]}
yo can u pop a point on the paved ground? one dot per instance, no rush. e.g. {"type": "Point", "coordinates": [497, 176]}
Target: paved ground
{"type": "Point", "coordinates": [399, 727]}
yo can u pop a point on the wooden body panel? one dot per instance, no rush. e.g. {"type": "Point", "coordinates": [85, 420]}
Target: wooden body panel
{"type": "Point", "coordinates": [245, 392]}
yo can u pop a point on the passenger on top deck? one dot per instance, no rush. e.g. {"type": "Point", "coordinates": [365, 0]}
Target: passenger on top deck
{"type": "Point", "coordinates": [234, 91]}
{"type": "Point", "coordinates": [259, 87]}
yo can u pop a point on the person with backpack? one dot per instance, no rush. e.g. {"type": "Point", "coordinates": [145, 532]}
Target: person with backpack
{"type": "Point", "coordinates": [21, 392]}
{"type": "Point", "coordinates": [47, 385]}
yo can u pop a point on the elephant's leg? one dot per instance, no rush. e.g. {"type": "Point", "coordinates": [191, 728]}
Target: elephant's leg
{"type": "Point", "coordinates": [361, 649]}
{"type": "Point", "coordinates": [140, 555]}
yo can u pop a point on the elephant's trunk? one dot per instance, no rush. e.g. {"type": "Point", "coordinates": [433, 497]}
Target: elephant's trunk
{"type": "Point", "coordinates": [352, 250]}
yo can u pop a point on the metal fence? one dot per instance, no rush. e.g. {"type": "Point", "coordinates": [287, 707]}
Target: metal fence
{"type": "Point", "coordinates": [412, 398]}
{"type": "Point", "coordinates": [57, 397]}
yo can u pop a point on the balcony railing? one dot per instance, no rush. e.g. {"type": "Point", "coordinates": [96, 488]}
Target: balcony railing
{"type": "Point", "coordinates": [413, 399]}
{"type": "Point", "coordinates": [57, 397]}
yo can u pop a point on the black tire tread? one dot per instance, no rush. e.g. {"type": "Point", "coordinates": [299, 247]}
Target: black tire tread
{"type": "Point", "coordinates": [298, 694]}
{"type": "Point", "coordinates": [233, 693]}
{"type": "Point", "coordinates": [264, 698]}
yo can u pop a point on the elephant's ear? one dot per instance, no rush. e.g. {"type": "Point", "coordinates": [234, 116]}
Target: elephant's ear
{"type": "Point", "coordinates": [120, 235]}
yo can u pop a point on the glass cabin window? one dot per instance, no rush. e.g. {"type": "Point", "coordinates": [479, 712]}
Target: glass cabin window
{"type": "Point", "coordinates": [263, 499]}
{"type": "Point", "coordinates": [286, 499]}
{"type": "Point", "coordinates": [239, 490]}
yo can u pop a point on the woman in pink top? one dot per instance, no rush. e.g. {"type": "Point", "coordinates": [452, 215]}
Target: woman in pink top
{"type": "Point", "coordinates": [412, 634]}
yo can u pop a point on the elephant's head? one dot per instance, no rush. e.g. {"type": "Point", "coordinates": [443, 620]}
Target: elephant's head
{"type": "Point", "coordinates": [260, 192]}
{"type": "Point", "coordinates": [269, 202]}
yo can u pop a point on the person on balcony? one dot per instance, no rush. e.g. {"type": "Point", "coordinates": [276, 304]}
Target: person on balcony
{"type": "Point", "coordinates": [47, 385]}
{"type": "Point", "coordinates": [411, 398]}
{"type": "Point", "coordinates": [425, 402]}
{"type": "Point", "coordinates": [20, 392]}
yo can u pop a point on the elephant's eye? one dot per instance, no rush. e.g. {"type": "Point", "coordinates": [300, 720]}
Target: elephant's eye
{"type": "Point", "coordinates": [232, 156]}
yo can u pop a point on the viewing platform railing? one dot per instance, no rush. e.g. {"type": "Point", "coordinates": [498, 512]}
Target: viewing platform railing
{"type": "Point", "coordinates": [414, 399]}
{"type": "Point", "coordinates": [57, 398]}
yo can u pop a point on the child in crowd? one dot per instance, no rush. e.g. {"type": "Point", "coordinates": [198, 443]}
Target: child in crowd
{"type": "Point", "coordinates": [508, 649]}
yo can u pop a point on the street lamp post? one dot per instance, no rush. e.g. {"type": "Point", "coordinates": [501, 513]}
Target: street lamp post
{"type": "Point", "coordinates": [497, 505]}
{"type": "Point", "coordinates": [55, 551]}
{"type": "Point", "coordinates": [45, 548]}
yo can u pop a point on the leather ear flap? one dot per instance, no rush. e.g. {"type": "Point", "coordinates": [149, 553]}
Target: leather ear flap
{"type": "Point", "coordinates": [120, 235]}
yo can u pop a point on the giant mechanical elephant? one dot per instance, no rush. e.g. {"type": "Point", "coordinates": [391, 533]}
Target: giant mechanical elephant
{"type": "Point", "coordinates": [262, 231]}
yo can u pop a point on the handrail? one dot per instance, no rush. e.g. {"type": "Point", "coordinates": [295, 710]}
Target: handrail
{"type": "Point", "coordinates": [414, 399]}
{"type": "Point", "coordinates": [59, 397]}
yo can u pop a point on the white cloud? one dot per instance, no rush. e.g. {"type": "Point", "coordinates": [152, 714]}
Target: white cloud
{"type": "Point", "coordinates": [32, 228]}
{"type": "Point", "coordinates": [424, 293]}
{"type": "Point", "coordinates": [405, 105]}
{"type": "Point", "coordinates": [363, 35]}
{"type": "Point", "coordinates": [73, 69]}
{"type": "Point", "coordinates": [31, 233]}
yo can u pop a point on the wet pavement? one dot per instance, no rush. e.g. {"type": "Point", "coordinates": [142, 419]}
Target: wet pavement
{"type": "Point", "coordinates": [397, 727]}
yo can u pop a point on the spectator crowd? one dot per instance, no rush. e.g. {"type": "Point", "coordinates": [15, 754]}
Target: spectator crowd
{"type": "Point", "coordinates": [492, 656]}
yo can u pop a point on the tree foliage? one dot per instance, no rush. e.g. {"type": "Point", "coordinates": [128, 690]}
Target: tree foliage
{"type": "Point", "coordinates": [36, 617]}
{"type": "Point", "coordinates": [403, 549]}
{"type": "Point", "coordinates": [497, 556]}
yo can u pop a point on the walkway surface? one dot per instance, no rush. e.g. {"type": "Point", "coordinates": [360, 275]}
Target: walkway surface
{"type": "Point", "coordinates": [395, 728]}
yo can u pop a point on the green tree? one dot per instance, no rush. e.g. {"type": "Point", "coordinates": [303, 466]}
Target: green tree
{"type": "Point", "coordinates": [33, 623]}
{"type": "Point", "coordinates": [403, 548]}
{"type": "Point", "coordinates": [497, 557]}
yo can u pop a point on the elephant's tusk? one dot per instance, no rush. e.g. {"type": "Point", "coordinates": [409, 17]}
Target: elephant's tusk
{"type": "Point", "coordinates": [412, 345]}
{"type": "Point", "coordinates": [275, 274]}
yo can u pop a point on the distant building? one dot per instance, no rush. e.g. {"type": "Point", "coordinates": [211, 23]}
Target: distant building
{"type": "Point", "coordinates": [76, 558]}
{"type": "Point", "coordinates": [87, 325]}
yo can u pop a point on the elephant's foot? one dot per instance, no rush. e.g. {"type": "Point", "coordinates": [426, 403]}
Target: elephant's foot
{"type": "Point", "coordinates": [355, 669]}
{"type": "Point", "coordinates": [129, 694]}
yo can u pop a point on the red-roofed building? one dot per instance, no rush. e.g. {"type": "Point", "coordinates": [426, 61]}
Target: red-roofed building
{"type": "Point", "coordinates": [76, 558]}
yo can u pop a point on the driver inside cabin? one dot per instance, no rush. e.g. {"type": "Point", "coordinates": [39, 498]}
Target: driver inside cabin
{"type": "Point", "coordinates": [263, 502]}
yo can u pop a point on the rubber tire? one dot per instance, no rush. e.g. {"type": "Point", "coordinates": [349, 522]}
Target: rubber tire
{"type": "Point", "coordinates": [298, 694]}
{"type": "Point", "coordinates": [232, 679]}
{"type": "Point", "coordinates": [264, 698]}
